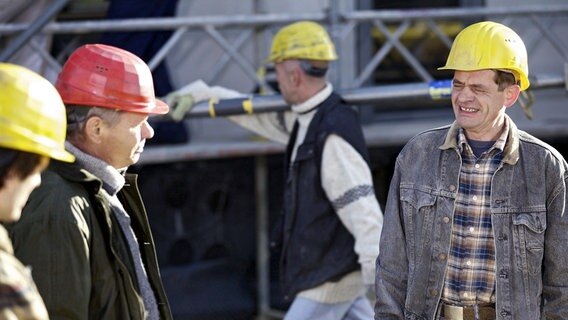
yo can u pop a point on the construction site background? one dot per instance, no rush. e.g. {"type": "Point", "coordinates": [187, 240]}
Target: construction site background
{"type": "Point", "coordinates": [212, 189]}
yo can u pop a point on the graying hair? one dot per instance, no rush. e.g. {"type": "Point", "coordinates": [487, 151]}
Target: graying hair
{"type": "Point", "coordinates": [77, 117]}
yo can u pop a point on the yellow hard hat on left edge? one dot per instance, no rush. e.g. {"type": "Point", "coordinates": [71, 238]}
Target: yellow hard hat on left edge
{"type": "Point", "coordinates": [32, 114]}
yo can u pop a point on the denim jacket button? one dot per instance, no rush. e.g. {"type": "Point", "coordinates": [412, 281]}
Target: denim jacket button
{"type": "Point", "coordinates": [446, 220]}
{"type": "Point", "coordinates": [433, 292]}
{"type": "Point", "coordinates": [452, 188]}
{"type": "Point", "coordinates": [504, 314]}
{"type": "Point", "coordinates": [442, 256]}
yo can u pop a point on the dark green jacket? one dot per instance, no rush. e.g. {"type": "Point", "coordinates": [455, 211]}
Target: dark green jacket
{"type": "Point", "coordinates": [79, 258]}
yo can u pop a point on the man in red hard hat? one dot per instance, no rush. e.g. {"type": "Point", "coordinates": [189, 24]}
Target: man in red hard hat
{"type": "Point", "coordinates": [85, 232]}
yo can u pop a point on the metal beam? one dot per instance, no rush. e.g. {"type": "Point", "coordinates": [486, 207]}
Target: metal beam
{"type": "Point", "coordinates": [143, 24]}
{"type": "Point", "coordinates": [433, 90]}
{"type": "Point", "coordinates": [32, 29]}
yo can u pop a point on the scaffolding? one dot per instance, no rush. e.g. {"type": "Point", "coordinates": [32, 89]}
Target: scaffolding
{"type": "Point", "coordinates": [389, 25]}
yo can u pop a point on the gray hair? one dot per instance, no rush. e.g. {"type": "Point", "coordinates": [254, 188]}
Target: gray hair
{"type": "Point", "coordinates": [78, 115]}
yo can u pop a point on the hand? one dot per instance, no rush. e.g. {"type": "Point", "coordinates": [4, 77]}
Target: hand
{"type": "Point", "coordinates": [182, 101]}
{"type": "Point", "coordinates": [180, 105]}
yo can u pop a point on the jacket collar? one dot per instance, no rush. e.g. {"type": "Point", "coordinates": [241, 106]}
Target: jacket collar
{"type": "Point", "coordinates": [112, 179]}
{"type": "Point", "coordinates": [510, 152]}
{"type": "Point", "coordinates": [310, 105]}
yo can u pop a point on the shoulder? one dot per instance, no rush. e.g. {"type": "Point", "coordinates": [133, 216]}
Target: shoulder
{"type": "Point", "coordinates": [59, 198]}
{"type": "Point", "coordinates": [70, 179]}
{"type": "Point", "coordinates": [536, 149]}
{"type": "Point", "coordinates": [16, 284]}
{"type": "Point", "coordinates": [430, 139]}
{"type": "Point", "coordinates": [339, 117]}
{"type": "Point", "coordinates": [531, 141]}
{"type": "Point", "coordinates": [434, 133]}
{"type": "Point", "coordinates": [340, 113]}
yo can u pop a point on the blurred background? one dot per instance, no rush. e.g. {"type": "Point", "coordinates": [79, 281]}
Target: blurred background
{"type": "Point", "coordinates": [213, 189]}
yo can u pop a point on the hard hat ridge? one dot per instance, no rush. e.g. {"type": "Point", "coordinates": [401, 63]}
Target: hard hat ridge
{"type": "Point", "coordinates": [106, 76]}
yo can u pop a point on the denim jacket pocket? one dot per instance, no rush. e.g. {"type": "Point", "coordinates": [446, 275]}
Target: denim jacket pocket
{"type": "Point", "coordinates": [418, 210]}
{"type": "Point", "coordinates": [528, 232]}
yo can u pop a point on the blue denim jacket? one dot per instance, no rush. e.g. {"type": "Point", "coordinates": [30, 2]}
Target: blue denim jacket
{"type": "Point", "coordinates": [530, 226]}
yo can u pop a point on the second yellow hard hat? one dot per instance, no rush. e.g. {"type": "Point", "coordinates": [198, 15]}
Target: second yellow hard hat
{"type": "Point", "coordinates": [302, 40]}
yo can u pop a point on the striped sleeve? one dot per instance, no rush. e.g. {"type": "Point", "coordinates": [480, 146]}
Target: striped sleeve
{"type": "Point", "coordinates": [347, 182]}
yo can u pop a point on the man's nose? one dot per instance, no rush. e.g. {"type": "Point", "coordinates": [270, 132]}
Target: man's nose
{"type": "Point", "coordinates": [147, 131]}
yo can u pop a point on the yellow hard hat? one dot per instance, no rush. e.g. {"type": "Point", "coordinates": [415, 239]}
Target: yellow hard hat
{"type": "Point", "coordinates": [32, 114]}
{"type": "Point", "coordinates": [489, 45]}
{"type": "Point", "coordinates": [302, 40]}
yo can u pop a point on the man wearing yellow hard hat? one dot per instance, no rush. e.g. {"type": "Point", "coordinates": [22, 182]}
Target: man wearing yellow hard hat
{"type": "Point", "coordinates": [32, 130]}
{"type": "Point", "coordinates": [475, 223]}
{"type": "Point", "coordinates": [328, 233]}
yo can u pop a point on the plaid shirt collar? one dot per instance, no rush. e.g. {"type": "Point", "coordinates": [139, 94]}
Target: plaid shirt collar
{"type": "Point", "coordinates": [508, 142]}
{"type": "Point", "coordinates": [499, 143]}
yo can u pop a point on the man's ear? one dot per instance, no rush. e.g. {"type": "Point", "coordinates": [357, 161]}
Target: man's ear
{"type": "Point", "coordinates": [511, 95]}
{"type": "Point", "coordinates": [93, 129]}
{"type": "Point", "coordinates": [296, 76]}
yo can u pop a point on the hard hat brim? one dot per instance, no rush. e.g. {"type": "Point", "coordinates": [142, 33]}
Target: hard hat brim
{"type": "Point", "coordinates": [161, 107]}
{"type": "Point", "coordinates": [62, 155]}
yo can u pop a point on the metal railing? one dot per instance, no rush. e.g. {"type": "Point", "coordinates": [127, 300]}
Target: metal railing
{"type": "Point", "coordinates": [341, 24]}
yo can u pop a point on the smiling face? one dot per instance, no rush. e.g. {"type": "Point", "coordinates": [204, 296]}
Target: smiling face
{"type": "Point", "coordinates": [121, 143]}
{"type": "Point", "coordinates": [479, 106]}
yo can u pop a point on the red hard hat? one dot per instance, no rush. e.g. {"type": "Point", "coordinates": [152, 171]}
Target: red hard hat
{"type": "Point", "coordinates": [104, 76]}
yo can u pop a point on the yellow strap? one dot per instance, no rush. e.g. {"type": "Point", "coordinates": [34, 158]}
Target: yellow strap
{"type": "Point", "coordinates": [440, 89]}
{"type": "Point", "coordinates": [247, 106]}
{"type": "Point", "coordinates": [212, 103]}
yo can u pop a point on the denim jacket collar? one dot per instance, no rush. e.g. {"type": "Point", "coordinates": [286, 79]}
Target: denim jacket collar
{"type": "Point", "coordinates": [510, 152]}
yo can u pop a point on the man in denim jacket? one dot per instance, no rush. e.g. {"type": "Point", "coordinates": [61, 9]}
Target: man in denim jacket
{"type": "Point", "coordinates": [475, 224]}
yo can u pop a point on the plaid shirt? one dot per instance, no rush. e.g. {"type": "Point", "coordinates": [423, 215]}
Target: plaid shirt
{"type": "Point", "coordinates": [19, 298]}
{"type": "Point", "coordinates": [470, 275]}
